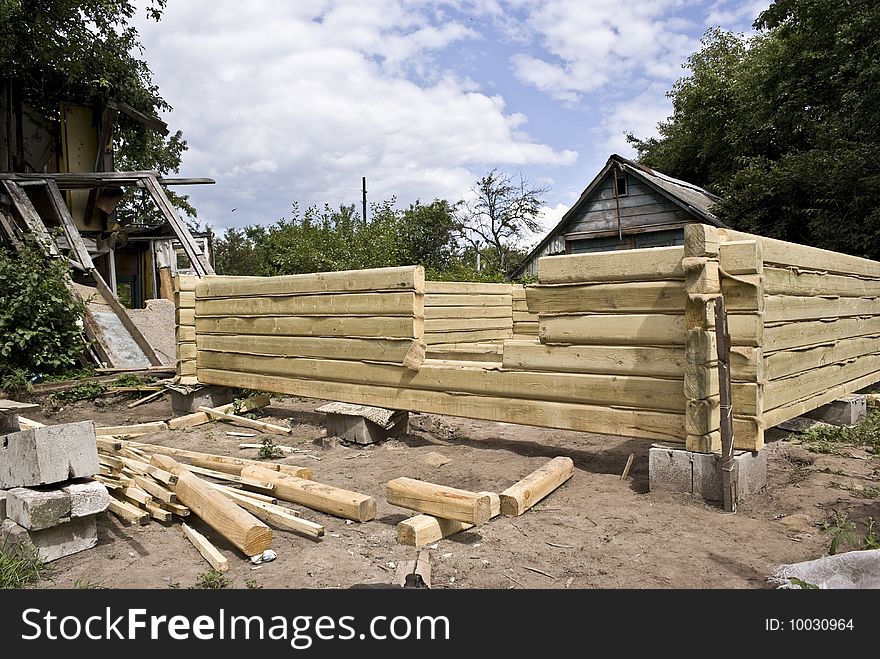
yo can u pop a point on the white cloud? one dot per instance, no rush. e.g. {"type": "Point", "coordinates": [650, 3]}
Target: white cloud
{"type": "Point", "coordinates": [285, 102]}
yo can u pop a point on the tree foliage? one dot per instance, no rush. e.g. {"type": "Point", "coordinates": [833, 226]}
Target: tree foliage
{"type": "Point", "coordinates": [39, 317]}
{"type": "Point", "coordinates": [79, 50]}
{"type": "Point", "coordinates": [785, 126]}
{"type": "Point", "coordinates": [501, 212]}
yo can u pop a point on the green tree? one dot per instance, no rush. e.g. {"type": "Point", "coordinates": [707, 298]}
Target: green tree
{"type": "Point", "coordinates": [785, 126]}
{"type": "Point", "coordinates": [501, 211]}
{"type": "Point", "coordinates": [77, 50]}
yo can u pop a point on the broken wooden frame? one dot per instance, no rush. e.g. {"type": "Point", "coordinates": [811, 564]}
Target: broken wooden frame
{"type": "Point", "coordinates": [626, 341]}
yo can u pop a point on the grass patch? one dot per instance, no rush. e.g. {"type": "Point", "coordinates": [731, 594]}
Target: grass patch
{"type": "Point", "coordinates": [19, 571]}
{"type": "Point", "coordinates": [211, 580]}
{"type": "Point", "coordinates": [831, 439]}
{"type": "Point", "coordinates": [83, 583]}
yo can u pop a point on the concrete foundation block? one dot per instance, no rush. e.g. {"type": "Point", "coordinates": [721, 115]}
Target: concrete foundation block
{"type": "Point", "coordinates": [2, 505]}
{"type": "Point", "coordinates": [9, 423]}
{"type": "Point", "coordinates": [359, 430]}
{"type": "Point", "coordinates": [37, 509]}
{"type": "Point", "coordinates": [845, 411]}
{"type": "Point", "coordinates": [87, 497]}
{"type": "Point", "coordinates": [48, 455]}
{"type": "Point", "coordinates": [699, 474]}
{"type": "Point", "coordinates": [207, 396]}
{"type": "Point", "coordinates": [49, 544]}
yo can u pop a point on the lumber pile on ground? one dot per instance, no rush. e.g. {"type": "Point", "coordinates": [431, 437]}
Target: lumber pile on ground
{"type": "Point", "coordinates": [445, 511]}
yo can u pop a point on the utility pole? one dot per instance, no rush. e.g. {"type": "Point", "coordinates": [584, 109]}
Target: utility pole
{"type": "Point", "coordinates": [364, 189]}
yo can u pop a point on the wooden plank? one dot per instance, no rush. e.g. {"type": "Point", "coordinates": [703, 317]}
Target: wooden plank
{"type": "Point", "coordinates": [258, 485]}
{"type": "Point", "coordinates": [410, 278]}
{"type": "Point", "coordinates": [193, 252]}
{"type": "Point", "coordinates": [110, 461]}
{"type": "Point", "coordinates": [185, 316]}
{"type": "Point", "coordinates": [613, 329]}
{"type": "Point", "coordinates": [422, 530]}
{"type": "Point", "coordinates": [467, 324]}
{"type": "Point", "coordinates": [784, 413]}
{"type": "Point", "coordinates": [176, 509]}
{"type": "Point", "coordinates": [812, 333]}
{"type": "Point", "coordinates": [198, 418]}
{"type": "Point", "coordinates": [326, 498]}
{"type": "Point", "coordinates": [741, 257]}
{"type": "Point", "coordinates": [156, 490]}
{"type": "Point", "coordinates": [185, 299]}
{"type": "Point", "coordinates": [226, 464]}
{"type": "Point", "coordinates": [782, 392]}
{"type": "Point", "coordinates": [380, 350]}
{"type": "Point", "coordinates": [432, 313]}
{"type": "Point", "coordinates": [30, 216]}
{"type": "Point", "coordinates": [809, 258]}
{"type": "Point", "coordinates": [277, 516]}
{"type": "Point", "coordinates": [371, 327]}
{"type": "Point", "coordinates": [186, 351]}
{"type": "Point", "coordinates": [185, 333]}
{"type": "Point", "coordinates": [136, 494]}
{"type": "Point", "coordinates": [645, 297]}
{"type": "Point", "coordinates": [784, 308]}
{"type": "Point", "coordinates": [789, 362]}
{"type": "Point", "coordinates": [526, 317]}
{"type": "Point", "coordinates": [341, 304]}
{"type": "Point", "coordinates": [132, 430]}
{"type": "Point", "coordinates": [477, 378]}
{"type": "Point", "coordinates": [779, 281]}
{"type": "Point", "coordinates": [208, 551]}
{"type": "Point", "coordinates": [68, 226]}
{"type": "Point", "coordinates": [127, 512]}
{"type": "Point", "coordinates": [621, 265]}
{"type": "Point", "coordinates": [466, 288]}
{"type": "Point", "coordinates": [663, 426]}
{"type": "Point", "coordinates": [663, 362]}
{"type": "Point", "coordinates": [244, 421]}
{"type": "Point", "coordinates": [466, 336]}
{"type": "Point", "coordinates": [146, 469]}
{"type": "Point", "coordinates": [157, 512]}
{"type": "Point", "coordinates": [524, 494]}
{"type": "Point", "coordinates": [439, 500]}
{"type": "Point", "coordinates": [467, 301]}
{"type": "Point", "coordinates": [238, 526]}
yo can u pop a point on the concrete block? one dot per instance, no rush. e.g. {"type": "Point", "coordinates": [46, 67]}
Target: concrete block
{"type": "Point", "coordinates": [699, 474]}
{"type": "Point", "coordinates": [87, 497]}
{"type": "Point", "coordinates": [845, 411]}
{"type": "Point", "coordinates": [37, 509]}
{"type": "Point", "coordinates": [208, 396]}
{"type": "Point", "coordinates": [360, 430]}
{"type": "Point", "coordinates": [2, 505]}
{"type": "Point", "coordinates": [48, 455]}
{"type": "Point", "coordinates": [49, 544]}
{"type": "Point", "coordinates": [9, 423]}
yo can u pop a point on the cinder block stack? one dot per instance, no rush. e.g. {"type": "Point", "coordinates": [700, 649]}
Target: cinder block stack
{"type": "Point", "coordinates": [48, 500]}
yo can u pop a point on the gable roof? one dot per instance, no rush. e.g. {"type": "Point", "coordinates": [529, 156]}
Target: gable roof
{"type": "Point", "coordinates": [692, 198]}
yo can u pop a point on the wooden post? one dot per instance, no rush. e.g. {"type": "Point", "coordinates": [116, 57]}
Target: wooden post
{"type": "Point", "coordinates": [728, 477]}
{"type": "Point", "coordinates": [439, 500]}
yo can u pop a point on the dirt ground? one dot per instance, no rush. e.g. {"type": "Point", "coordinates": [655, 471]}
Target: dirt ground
{"type": "Point", "coordinates": [596, 531]}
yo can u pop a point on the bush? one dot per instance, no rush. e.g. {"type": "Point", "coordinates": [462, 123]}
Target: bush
{"type": "Point", "coordinates": [40, 320]}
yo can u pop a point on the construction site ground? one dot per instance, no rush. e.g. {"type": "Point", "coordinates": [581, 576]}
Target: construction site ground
{"type": "Point", "coordinates": [596, 531]}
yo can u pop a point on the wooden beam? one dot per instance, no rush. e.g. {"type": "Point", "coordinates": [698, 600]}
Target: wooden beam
{"type": "Point", "coordinates": [663, 426]}
{"type": "Point", "coordinates": [783, 392]}
{"type": "Point", "coordinates": [258, 485]}
{"type": "Point", "coordinates": [374, 350]}
{"type": "Point", "coordinates": [405, 303]}
{"type": "Point", "coordinates": [646, 361]}
{"type": "Point", "coordinates": [276, 516]}
{"type": "Point", "coordinates": [466, 288]}
{"type": "Point", "coordinates": [620, 265]}
{"type": "Point", "coordinates": [247, 423]}
{"type": "Point", "coordinates": [156, 490]}
{"type": "Point", "coordinates": [608, 329]}
{"type": "Point", "coordinates": [467, 301]}
{"type": "Point", "coordinates": [145, 469]}
{"type": "Point", "coordinates": [411, 278]}
{"type": "Point", "coordinates": [438, 500]}
{"type": "Point", "coordinates": [326, 498]}
{"type": "Point", "coordinates": [806, 334]}
{"type": "Point", "coordinates": [25, 208]}
{"type": "Point", "coordinates": [521, 496]}
{"type": "Point", "coordinates": [238, 526]}
{"type": "Point", "coordinates": [62, 214]}
{"type": "Point", "coordinates": [433, 313]}
{"type": "Point", "coordinates": [789, 362]}
{"type": "Point", "coordinates": [132, 430]}
{"type": "Point", "coordinates": [349, 328]}
{"type": "Point", "coordinates": [742, 257]}
{"type": "Point", "coordinates": [785, 308]}
{"type": "Point", "coordinates": [127, 512]}
{"type": "Point", "coordinates": [208, 551]}
{"type": "Point", "coordinates": [435, 325]}
{"type": "Point", "coordinates": [468, 336]}
{"type": "Point", "coordinates": [256, 496]}
{"type": "Point", "coordinates": [424, 529]}
{"type": "Point", "coordinates": [198, 418]}
{"type": "Point", "coordinates": [633, 297]}
{"type": "Point", "coordinates": [157, 512]}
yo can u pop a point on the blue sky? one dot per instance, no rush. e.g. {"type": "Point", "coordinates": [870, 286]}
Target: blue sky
{"type": "Point", "coordinates": [287, 102]}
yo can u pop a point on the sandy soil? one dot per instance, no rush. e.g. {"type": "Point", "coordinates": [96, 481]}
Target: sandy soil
{"type": "Point", "coordinates": [595, 532]}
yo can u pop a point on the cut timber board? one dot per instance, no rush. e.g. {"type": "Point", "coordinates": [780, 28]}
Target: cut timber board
{"type": "Point", "coordinates": [607, 329]}
{"type": "Point", "coordinates": [645, 297]}
{"type": "Point", "coordinates": [344, 304]}
{"type": "Point", "coordinates": [376, 279]}
{"type": "Point", "coordinates": [439, 500]}
{"type": "Point", "coordinates": [393, 351]}
{"type": "Point", "coordinates": [208, 551]}
{"type": "Point", "coordinates": [612, 360]}
{"type": "Point", "coordinates": [621, 265]}
{"type": "Point", "coordinates": [663, 426]}
{"type": "Point", "coordinates": [329, 326]}
{"type": "Point", "coordinates": [811, 333]}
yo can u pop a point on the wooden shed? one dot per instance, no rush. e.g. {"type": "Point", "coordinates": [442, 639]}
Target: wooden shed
{"type": "Point", "coordinates": [626, 206]}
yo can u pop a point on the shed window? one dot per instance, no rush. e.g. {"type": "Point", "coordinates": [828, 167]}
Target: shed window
{"type": "Point", "coordinates": [619, 183]}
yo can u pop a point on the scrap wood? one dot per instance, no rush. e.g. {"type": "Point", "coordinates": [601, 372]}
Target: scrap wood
{"type": "Point", "coordinates": [415, 574]}
{"type": "Point", "coordinates": [176, 508]}
{"type": "Point", "coordinates": [439, 500]}
{"type": "Point", "coordinates": [244, 481]}
{"type": "Point", "coordinates": [277, 516]}
{"type": "Point", "coordinates": [241, 528]}
{"type": "Point", "coordinates": [244, 421]}
{"type": "Point", "coordinates": [534, 569]}
{"type": "Point", "coordinates": [29, 424]}
{"type": "Point", "coordinates": [424, 529]}
{"type": "Point", "coordinates": [133, 430]}
{"type": "Point", "coordinates": [127, 511]}
{"type": "Point", "coordinates": [147, 399]}
{"type": "Point", "coordinates": [198, 418]}
{"type": "Point", "coordinates": [208, 551]}
{"type": "Point", "coordinates": [524, 494]}
{"type": "Point", "coordinates": [257, 496]}
{"type": "Point", "coordinates": [629, 464]}
{"type": "Point", "coordinates": [280, 447]}
{"type": "Point", "coordinates": [157, 512]}
{"type": "Point", "coordinates": [233, 433]}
